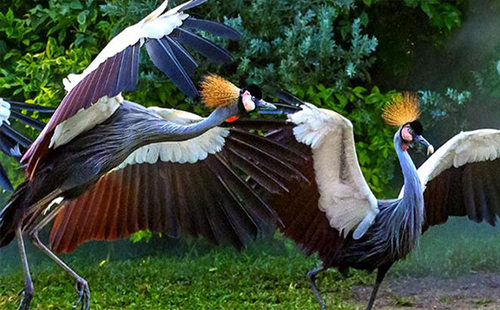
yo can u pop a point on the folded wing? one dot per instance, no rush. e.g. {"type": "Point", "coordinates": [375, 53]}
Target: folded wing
{"type": "Point", "coordinates": [344, 195]}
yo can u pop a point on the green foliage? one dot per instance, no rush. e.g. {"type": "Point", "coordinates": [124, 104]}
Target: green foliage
{"type": "Point", "coordinates": [444, 15]}
{"type": "Point", "coordinates": [374, 139]}
{"type": "Point", "coordinates": [438, 108]}
{"type": "Point", "coordinates": [143, 235]}
{"type": "Point", "coordinates": [46, 44]}
{"type": "Point", "coordinates": [487, 78]}
{"type": "Point", "coordinates": [308, 43]}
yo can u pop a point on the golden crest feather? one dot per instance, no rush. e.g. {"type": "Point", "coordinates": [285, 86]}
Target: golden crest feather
{"type": "Point", "coordinates": [403, 109]}
{"type": "Point", "coordinates": [217, 91]}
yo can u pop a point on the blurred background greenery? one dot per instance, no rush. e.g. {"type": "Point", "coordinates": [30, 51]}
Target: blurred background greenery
{"type": "Point", "coordinates": [349, 56]}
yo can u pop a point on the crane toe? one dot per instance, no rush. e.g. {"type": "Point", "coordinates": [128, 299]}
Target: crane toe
{"type": "Point", "coordinates": [82, 287]}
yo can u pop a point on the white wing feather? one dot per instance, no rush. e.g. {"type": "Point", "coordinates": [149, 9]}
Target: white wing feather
{"type": "Point", "coordinates": [84, 120]}
{"type": "Point", "coordinates": [189, 151]}
{"type": "Point", "coordinates": [153, 26]}
{"type": "Point", "coordinates": [4, 112]}
{"type": "Point", "coordinates": [464, 148]}
{"type": "Point", "coordinates": [344, 194]}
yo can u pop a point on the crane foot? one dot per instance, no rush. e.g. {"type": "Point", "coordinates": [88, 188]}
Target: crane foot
{"type": "Point", "coordinates": [311, 275]}
{"type": "Point", "coordinates": [27, 294]}
{"type": "Point", "coordinates": [82, 287]}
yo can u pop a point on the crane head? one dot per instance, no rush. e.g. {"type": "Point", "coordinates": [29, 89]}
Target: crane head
{"type": "Point", "coordinates": [412, 133]}
{"type": "Point", "coordinates": [251, 99]}
{"type": "Point", "coordinates": [218, 92]}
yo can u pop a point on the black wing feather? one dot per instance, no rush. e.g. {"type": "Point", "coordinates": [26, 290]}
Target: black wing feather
{"type": "Point", "coordinates": [27, 120]}
{"type": "Point", "coordinates": [164, 59]}
{"type": "Point", "coordinates": [212, 27]}
{"type": "Point", "coordinates": [203, 46]}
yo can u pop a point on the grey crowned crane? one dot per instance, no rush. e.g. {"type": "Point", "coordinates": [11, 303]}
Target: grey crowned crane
{"type": "Point", "coordinates": [12, 141]}
{"type": "Point", "coordinates": [156, 169]}
{"type": "Point", "coordinates": [338, 217]}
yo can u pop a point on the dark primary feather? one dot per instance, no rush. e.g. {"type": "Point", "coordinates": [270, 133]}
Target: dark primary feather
{"type": "Point", "coordinates": [9, 146]}
{"type": "Point", "coordinates": [186, 60]}
{"type": "Point", "coordinates": [203, 46]}
{"type": "Point", "coordinates": [472, 190]}
{"type": "Point", "coordinates": [15, 105]}
{"type": "Point", "coordinates": [212, 27]}
{"type": "Point", "coordinates": [192, 4]}
{"type": "Point", "coordinates": [27, 120]}
{"type": "Point", "coordinates": [164, 59]}
{"type": "Point", "coordinates": [16, 136]}
{"type": "Point", "coordinates": [4, 179]}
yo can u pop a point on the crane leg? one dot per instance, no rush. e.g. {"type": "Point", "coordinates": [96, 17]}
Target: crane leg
{"type": "Point", "coordinates": [381, 272]}
{"type": "Point", "coordinates": [81, 286]}
{"type": "Point", "coordinates": [27, 291]}
{"type": "Point", "coordinates": [311, 275]}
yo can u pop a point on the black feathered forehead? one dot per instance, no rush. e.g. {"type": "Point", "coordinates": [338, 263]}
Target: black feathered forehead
{"type": "Point", "coordinates": [254, 90]}
{"type": "Point", "coordinates": [417, 127]}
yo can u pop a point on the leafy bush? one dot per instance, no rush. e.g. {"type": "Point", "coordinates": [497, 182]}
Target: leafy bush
{"type": "Point", "coordinates": [322, 51]}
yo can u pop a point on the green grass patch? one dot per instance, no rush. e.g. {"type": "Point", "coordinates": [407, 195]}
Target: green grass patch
{"type": "Point", "coordinates": [270, 274]}
{"type": "Point", "coordinates": [216, 279]}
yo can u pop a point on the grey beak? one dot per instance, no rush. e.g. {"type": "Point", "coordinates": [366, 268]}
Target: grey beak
{"type": "Point", "coordinates": [263, 105]}
{"type": "Point", "coordinates": [428, 146]}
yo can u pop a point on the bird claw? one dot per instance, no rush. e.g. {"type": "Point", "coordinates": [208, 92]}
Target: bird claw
{"type": "Point", "coordinates": [27, 294]}
{"type": "Point", "coordinates": [82, 287]}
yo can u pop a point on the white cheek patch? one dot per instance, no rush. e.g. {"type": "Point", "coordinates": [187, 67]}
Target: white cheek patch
{"type": "Point", "coordinates": [405, 133]}
{"type": "Point", "coordinates": [247, 101]}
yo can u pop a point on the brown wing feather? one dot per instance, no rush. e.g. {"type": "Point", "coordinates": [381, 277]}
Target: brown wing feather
{"type": "Point", "coordinates": [302, 220]}
{"type": "Point", "coordinates": [207, 198]}
{"type": "Point", "coordinates": [472, 190]}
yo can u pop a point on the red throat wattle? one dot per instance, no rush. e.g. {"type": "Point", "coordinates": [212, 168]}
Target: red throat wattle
{"type": "Point", "coordinates": [232, 119]}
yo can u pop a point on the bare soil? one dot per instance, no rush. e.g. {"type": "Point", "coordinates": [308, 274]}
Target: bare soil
{"type": "Point", "coordinates": [472, 291]}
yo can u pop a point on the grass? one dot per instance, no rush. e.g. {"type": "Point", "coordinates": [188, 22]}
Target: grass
{"type": "Point", "coordinates": [267, 275]}
{"type": "Point", "coordinates": [216, 279]}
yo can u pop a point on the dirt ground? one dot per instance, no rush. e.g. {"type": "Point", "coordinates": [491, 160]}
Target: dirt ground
{"type": "Point", "coordinates": [473, 291]}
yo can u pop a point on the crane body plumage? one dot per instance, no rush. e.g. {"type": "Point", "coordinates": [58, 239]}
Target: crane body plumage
{"type": "Point", "coordinates": [74, 167]}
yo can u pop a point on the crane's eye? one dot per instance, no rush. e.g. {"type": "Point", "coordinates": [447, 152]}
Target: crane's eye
{"type": "Point", "coordinates": [254, 99]}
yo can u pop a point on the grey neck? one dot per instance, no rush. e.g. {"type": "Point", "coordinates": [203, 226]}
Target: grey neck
{"type": "Point", "coordinates": [413, 193]}
{"type": "Point", "coordinates": [165, 131]}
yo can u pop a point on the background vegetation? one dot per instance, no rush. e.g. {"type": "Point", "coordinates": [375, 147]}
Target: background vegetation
{"type": "Point", "coordinates": [349, 56]}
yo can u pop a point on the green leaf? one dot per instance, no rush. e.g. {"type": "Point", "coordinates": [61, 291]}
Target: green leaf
{"type": "Point", "coordinates": [10, 16]}
{"type": "Point", "coordinates": [76, 5]}
{"type": "Point", "coordinates": [82, 18]}
{"type": "Point", "coordinates": [424, 5]}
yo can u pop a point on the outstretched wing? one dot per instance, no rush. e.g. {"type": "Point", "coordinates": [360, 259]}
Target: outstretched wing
{"type": "Point", "coordinates": [344, 194]}
{"type": "Point", "coordinates": [191, 187]}
{"type": "Point", "coordinates": [12, 141]}
{"type": "Point", "coordinates": [463, 178]}
{"type": "Point", "coordinates": [115, 69]}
